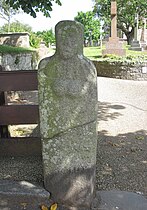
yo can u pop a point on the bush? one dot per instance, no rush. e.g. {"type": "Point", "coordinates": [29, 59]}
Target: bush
{"type": "Point", "coordinates": [34, 41]}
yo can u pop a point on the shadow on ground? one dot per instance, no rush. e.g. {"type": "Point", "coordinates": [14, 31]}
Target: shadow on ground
{"type": "Point", "coordinates": [121, 159]}
{"type": "Point", "coordinates": [104, 113]}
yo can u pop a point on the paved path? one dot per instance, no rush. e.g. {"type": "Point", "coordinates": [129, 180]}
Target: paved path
{"type": "Point", "coordinates": [119, 200]}
{"type": "Point", "coordinates": [122, 146]}
{"type": "Point", "coordinates": [126, 104]}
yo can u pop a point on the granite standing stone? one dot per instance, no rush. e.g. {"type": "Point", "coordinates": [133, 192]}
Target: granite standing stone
{"type": "Point", "coordinates": [68, 115]}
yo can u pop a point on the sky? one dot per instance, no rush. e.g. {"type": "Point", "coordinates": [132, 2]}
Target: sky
{"type": "Point", "coordinates": [67, 11]}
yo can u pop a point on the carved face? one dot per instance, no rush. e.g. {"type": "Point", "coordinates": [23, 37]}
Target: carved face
{"type": "Point", "coordinates": [69, 40]}
{"type": "Point", "coordinates": [68, 46]}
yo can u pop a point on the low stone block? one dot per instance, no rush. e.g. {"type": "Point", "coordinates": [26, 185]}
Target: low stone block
{"type": "Point", "coordinates": [22, 195]}
{"type": "Point", "coordinates": [119, 52]}
{"type": "Point", "coordinates": [115, 47]}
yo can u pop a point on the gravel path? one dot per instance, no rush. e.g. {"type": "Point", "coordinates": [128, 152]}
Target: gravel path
{"type": "Point", "coordinates": [22, 169]}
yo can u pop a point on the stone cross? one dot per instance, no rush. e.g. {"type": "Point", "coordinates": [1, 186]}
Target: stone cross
{"type": "Point", "coordinates": [113, 19]}
{"type": "Point", "coordinates": [114, 46]}
{"type": "Point", "coordinates": [143, 30]}
{"type": "Point", "coordinates": [143, 41]}
{"type": "Point", "coordinates": [136, 45]}
{"type": "Point", "coordinates": [68, 116]}
{"type": "Point", "coordinates": [136, 28]}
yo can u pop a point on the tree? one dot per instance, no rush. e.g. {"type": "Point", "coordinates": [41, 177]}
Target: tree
{"type": "Point", "coordinates": [34, 40]}
{"type": "Point", "coordinates": [6, 12]}
{"type": "Point", "coordinates": [46, 36]}
{"type": "Point", "coordinates": [91, 26]}
{"type": "Point", "coordinates": [126, 10]}
{"type": "Point", "coordinates": [16, 27]}
{"type": "Point", "coordinates": [33, 6]}
{"type": "Point", "coordinates": [20, 27]}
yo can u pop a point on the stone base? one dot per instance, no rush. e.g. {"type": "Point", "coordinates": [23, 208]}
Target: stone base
{"type": "Point", "coordinates": [136, 46]}
{"type": "Point", "coordinates": [22, 195]}
{"type": "Point", "coordinates": [72, 208]}
{"type": "Point", "coordinates": [143, 45]}
{"type": "Point", "coordinates": [113, 40]}
{"type": "Point", "coordinates": [73, 189]}
{"type": "Point", "coordinates": [114, 46]}
{"type": "Point", "coordinates": [119, 52]}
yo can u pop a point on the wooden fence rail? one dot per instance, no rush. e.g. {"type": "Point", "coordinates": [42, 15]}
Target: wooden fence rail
{"type": "Point", "coordinates": [18, 80]}
{"type": "Point", "coordinates": [18, 114]}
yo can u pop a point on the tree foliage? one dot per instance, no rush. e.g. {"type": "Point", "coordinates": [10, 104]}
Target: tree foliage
{"type": "Point", "coordinates": [34, 40]}
{"type": "Point", "coordinates": [33, 6]}
{"type": "Point", "coordinates": [6, 12]}
{"type": "Point", "coordinates": [46, 36]}
{"type": "Point", "coordinates": [91, 26]}
{"type": "Point", "coordinates": [16, 27]}
{"type": "Point", "coordinates": [20, 27]}
{"type": "Point", "coordinates": [126, 10]}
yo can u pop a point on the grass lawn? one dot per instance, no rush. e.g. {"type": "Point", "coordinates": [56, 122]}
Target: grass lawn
{"type": "Point", "coordinates": [9, 49]}
{"type": "Point", "coordinates": [95, 53]}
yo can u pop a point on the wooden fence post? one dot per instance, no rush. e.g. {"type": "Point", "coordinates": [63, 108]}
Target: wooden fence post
{"type": "Point", "coordinates": [4, 132]}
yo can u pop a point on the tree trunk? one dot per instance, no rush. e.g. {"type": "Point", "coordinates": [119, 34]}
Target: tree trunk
{"type": "Point", "coordinates": [8, 24]}
{"type": "Point", "coordinates": [130, 36]}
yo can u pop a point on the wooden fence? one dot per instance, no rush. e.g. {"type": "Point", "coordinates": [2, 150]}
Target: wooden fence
{"type": "Point", "coordinates": [18, 114]}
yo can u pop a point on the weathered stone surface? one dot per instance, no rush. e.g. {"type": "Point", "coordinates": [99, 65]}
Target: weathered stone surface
{"type": "Point", "coordinates": [67, 99]}
{"type": "Point", "coordinates": [119, 52]}
{"type": "Point", "coordinates": [15, 39]}
{"type": "Point", "coordinates": [20, 61]}
{"type": "Point", "coordinates": [22, 195]}
{"type": "Point", "coordinates": [119, 70]}
{"type": "Point", "coordinates": [136, 46]}
{"type": "Point", "coordinates": [114, 46]}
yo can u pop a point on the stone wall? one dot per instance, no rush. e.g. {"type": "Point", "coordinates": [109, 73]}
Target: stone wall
{"type": "Point", "coordinates": [21, 61]}
{"type": "Point", "coordinates": [120, 70]}
{"type": "Point", "coordinates": [15, 39]}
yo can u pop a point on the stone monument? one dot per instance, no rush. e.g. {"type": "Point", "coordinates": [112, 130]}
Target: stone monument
{"type": "Point", "coordinates": [68, 115]}
{"type": "Point", "coordinates": [142, 39]}
{"type": "Point", "coordinates": [114, 46]}
{"type": "Point", "coordinates": [135, 45]}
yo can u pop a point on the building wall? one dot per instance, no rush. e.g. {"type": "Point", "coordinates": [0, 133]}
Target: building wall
{"type": "Point", "coordinates": [15, 39]}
